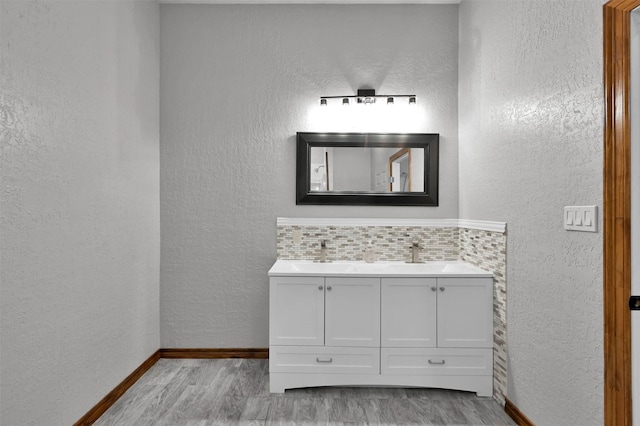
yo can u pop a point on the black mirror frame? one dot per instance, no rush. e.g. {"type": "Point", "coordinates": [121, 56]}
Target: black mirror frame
{"type": "Point", "coordinates": [428, 141]}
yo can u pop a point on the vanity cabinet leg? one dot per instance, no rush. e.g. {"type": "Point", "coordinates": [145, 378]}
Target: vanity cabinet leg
{"type": "Point", "coordinates": [275, 385]}
{"type": "Point", "coordinates": [486, 390]}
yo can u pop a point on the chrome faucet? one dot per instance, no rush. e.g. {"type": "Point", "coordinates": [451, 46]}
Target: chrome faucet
{"type": "Point", "coordinates": [323, 251]}
{"type": "Point", "coordinates": [415, 252]}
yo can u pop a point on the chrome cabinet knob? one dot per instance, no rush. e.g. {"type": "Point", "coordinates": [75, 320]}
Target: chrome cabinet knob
{"type": "Point", "coordinates": [319, 287]}
{"type": "Point", "coordinates": [433, 289]}
{"type": "Point", "coordinates": [441, 288]}
{"type": "Point", "coordinates": [328, 288]}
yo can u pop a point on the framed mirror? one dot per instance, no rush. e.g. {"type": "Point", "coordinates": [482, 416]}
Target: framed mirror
{"type": "Point", "coordinates": [388, 169]}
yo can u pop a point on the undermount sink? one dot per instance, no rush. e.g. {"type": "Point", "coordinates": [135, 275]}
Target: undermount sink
{"type": "Point", "coordinates": [355, 268]}
{"type": "Point", "coordinates": [319, 267]}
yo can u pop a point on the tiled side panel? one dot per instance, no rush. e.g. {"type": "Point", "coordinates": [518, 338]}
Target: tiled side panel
{"type": "Point", "coordinates": [391, 243]}
{"type": "Point", "coordinates": [488, 250]}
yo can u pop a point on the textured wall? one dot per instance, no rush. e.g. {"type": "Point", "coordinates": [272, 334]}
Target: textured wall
{"type": "Point", "coordinates": [531, 120]}
{"type": "Point", "coordinates": [79, 226]}
{"type": "Point", "coordinates": [237, 83]}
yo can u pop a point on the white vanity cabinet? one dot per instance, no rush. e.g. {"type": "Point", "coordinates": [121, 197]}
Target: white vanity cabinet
{"type": "Point", "coordinates": [352, 312]}
{"type": "Point", "coordinates": [378, 326]}
{"type": "Point", "coordinates": [409, 312]}
{"type": "Point", "coordinates": [296, 311]}
{"type": "Point", "coordinates": [321, 325]}
{"type": "Point", "coordinates": [318, 311]}
{"type": "Point", "coordinates": [465, 312]}
{"type": "Point", "coordinates": [439, 327]}
{"type": "Point", "coordinates": [437, 312]}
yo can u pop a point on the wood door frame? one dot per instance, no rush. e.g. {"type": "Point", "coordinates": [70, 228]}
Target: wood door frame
{"type": "Point", "coordinates": [393, 158]}
{"type": "Point", "coordinates": [617, 212]}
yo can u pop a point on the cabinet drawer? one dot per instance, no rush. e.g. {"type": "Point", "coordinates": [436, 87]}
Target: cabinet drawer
{"type": "Point", "coordinates": [296, 359]}
{"type": "Point", "coordinates": [437, 361]}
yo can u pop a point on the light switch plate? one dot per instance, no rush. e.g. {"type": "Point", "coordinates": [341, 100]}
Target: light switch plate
{"type": "Point", "coordinates": [581, 218]}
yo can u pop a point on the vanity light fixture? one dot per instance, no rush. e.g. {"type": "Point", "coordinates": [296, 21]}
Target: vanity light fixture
{"type": "Point", "coordinates": [367, 96]}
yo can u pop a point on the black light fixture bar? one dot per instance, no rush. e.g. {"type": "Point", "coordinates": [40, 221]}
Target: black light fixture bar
{"type": "Point", "coordinates": [367, 96]}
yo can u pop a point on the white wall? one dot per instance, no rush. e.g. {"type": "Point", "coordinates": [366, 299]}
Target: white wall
{"type": "Point", "coordinates": [80, 235]}
{"type": "Point", "coordinates": [237, 83]}
{"type": "Point", "coordinates": [531, 136]}
{"type": "Point", "coordinates": [351, 169]}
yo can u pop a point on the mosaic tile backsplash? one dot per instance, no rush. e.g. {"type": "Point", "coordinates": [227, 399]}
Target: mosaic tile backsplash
{"type": "Point", "coordinates": [488, 250]}
{"type": "Point", "coordinates": [349, 242]}
{"type": "Point", "coordinates": [484, 249]}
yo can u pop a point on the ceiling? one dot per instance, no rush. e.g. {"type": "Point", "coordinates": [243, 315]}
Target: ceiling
{"type": "Point", "coordinates": [310, 1]}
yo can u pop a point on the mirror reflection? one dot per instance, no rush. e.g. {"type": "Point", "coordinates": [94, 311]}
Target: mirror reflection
{"type": "Point", "coordinates": [380, 169]}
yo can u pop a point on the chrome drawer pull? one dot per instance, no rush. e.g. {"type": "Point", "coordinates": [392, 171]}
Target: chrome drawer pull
{"type": "Point", "coordinates": [436, 363]}
{"type": "Point", "coordinates": [327, 361]}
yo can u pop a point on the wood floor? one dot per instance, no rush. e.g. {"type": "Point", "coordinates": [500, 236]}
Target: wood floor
{"type": "Point", "coordinates": [199, 392]}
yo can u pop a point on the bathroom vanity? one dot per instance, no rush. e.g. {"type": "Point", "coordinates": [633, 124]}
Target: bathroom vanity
{"type": "Point", "coordinates": [380, 324]}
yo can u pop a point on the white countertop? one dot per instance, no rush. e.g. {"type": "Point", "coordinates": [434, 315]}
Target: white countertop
{"type": "Point", "coordinates": [289, 268]}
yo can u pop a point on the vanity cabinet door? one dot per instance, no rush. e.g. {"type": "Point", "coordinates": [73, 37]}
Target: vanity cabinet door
{"type": "Point", "coordinates": [352, 312]}
{"type": "Point", "coordinates": [409, 312]}
{"type": "Point", "coordinates": [296, 311]}
{"type": "Point", "coordinates": [465, 312]}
